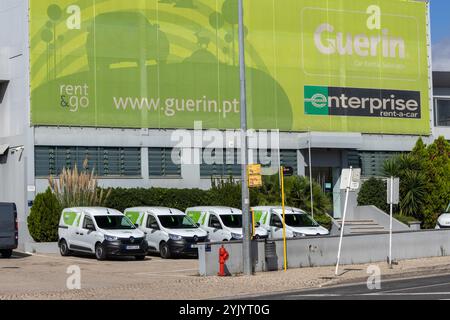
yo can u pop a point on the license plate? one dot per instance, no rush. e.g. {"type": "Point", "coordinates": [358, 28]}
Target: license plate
{"type": "Point", "coordinates": [133, 247]}
{"type": "Point", "coordinates": [194, 246]}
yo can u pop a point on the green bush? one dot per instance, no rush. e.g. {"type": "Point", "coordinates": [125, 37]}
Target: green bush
{"type": "Point", "coordinates": [373, 193]}
{"type": "Point", "coordinates": [181, 199]}
{"type": "Point", "coordinates": [44, 217]}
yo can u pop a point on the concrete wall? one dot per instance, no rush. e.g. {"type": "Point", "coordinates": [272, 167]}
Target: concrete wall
{"type": "Point", "coordinates": [15, 110]}
{"type": "Point", "coordinates": [322, 251]}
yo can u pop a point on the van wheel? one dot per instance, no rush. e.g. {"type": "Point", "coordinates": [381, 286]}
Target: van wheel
{"type": "Point", "coordinates": [64, 248]}
{"type": "Point", "coordinates": [164, 251]}
{"type": "Point", "coordinates": [140, 258]}
{"type": "Point", "coordinates": [6, 253]}
{"type": "Point", "coordinates": [100, 252]}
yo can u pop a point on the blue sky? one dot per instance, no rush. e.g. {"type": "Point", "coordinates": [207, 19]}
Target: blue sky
{"type": "Point", "coordinates": [440, 34]}
{"type": "Point", "coordinates": [440, 20]}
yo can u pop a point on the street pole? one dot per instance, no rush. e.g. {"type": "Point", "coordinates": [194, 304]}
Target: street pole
{"type": "Point", "coordinates": [246, 241]}
{"type": "Point", "coordinates": [391, 200]}
{"type": "Point", "coordinates": [310, 176]}
{"type": "Point", "coordinates": [283, 201]}
{"type": "Point", "coordinates": [347, 192]}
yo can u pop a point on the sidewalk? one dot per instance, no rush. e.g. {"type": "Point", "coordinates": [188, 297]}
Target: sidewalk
{"type": "Point", "coordinates": [44, 277]}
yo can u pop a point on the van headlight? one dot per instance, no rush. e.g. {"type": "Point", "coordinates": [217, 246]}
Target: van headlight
{"type": "Point", "coordinates": [237, 236]}
{"type": "Point", "coordinates": [111, 238]}
{"type": "Point", "coordinates": [299, 235]}
{"type": "Point", "coordinates": [175, 237]}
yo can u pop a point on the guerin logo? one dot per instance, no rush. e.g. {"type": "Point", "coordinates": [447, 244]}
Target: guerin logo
{"type": "Point", "coordinates": [329, 42]}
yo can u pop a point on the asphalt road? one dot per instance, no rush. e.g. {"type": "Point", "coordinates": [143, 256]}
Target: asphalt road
{"type": "Point", "coordinates": [423, 288]}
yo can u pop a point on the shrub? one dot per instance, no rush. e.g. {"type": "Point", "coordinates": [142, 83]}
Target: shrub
{"type": "Point", "coordinates": [75, 188]}
{"type": "Point", "coordinates": [44, 217]}
{"type": "Point", "coordinates": [181, 199]}
{"type": "Point", "coordinates": [298, 194]}
{"type": "Point", "coordinates": [373, 193]}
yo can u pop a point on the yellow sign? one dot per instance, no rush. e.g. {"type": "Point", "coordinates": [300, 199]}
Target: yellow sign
{"type": "Point", "coordinates": [255, 181]}
{"type": "Point", "coordinates": [254, 170]}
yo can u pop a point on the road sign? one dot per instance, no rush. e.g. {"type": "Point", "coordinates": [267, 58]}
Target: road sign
{"type": "Point", "coordinates": [288, 171]}
{"type": "Point", "coordinates": [393, 197]}
{"type": "Point", "coordinates": [254, 170]}
{"type": "Point", "coordinates": [350, 178]}
{"type": "Point", "coordinates": [255, 181]}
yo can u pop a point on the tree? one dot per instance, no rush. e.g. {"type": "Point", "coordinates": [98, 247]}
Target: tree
{"type": "Point", "coordinates": [44, 217]}
{"type": "Point", "coordinates": [373, 193]}
{"type": "Point", "coordinates": [424, 180]}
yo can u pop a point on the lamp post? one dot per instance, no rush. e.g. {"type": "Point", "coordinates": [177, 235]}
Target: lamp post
{"type": "Point", "coordinates": [246, 241]}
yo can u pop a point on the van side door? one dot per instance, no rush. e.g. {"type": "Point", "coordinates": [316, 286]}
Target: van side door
{"type": "Point", "coordinates": [154, 233]}
{"type": "Point", "coordinates": [87, 234]}
{"type": "Point", "coordinates": [215, 229]}
{"type": "Point", "coordinates": [8, 232]}
{"type": "Point", "coordinates": [276, 226]}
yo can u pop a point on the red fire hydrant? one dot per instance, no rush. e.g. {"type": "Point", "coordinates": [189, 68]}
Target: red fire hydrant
{"type": "Point", "coordinates": [223, 257]}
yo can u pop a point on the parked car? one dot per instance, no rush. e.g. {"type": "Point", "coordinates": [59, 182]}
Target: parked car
{"type": "Point", "coordinates": [168, 231]}
{"type": "Point", "coordinates": [9, 233]}
{"type": "Point", "coordinates": [222, 223]}
{"type": "Point", "coordinates": [443, 221]}
{"type": "Point", "coordinates": [100, 231]}
{"type": "Point", "coordinates": [298, 222]}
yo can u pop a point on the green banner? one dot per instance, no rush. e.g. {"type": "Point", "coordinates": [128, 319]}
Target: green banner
{"type": "Point", "coordinates": [312, 65]}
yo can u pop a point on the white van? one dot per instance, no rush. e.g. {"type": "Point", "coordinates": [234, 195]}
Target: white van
{"type": "Point", "coordinates": [443, 221]}
{"type": "Point", "coordinates": [169, 231]}
{"type": "Point", "coordinates": [298, 222]}
{"type": "Point", "coordinates": [222, 223]}
{"type": "Point", "coordinates": [100, 231]}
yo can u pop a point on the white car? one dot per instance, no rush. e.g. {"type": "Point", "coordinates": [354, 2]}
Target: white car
{"type": "Point", "coordinates": [100, 231]}
{"type": "Point", "coordinates": [222, 223]}
{"type": "Point", "coordinates": [169, 231]}
{"type": "Point", "coordinates": [298, 222]}
{"type": "Point", "coordinates": [444, 219]}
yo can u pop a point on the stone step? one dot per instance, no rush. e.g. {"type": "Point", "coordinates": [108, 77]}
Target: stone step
{"type": "Point", "coordinates": [368, 228]}
{"type": "Point", "coordinates": [367, 232]}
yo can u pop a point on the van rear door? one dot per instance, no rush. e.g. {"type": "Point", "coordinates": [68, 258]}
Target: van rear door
{"type": "Point", "coordinates": [8, 226]}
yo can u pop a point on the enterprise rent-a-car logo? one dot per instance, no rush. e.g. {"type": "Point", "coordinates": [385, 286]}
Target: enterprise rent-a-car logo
{"type": "Point", "coordinates": [335, 101]}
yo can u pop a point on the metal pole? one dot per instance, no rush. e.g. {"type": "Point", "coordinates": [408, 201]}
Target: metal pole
{"type": "Point", "coordinates": [391, 196]}
{"type": "Point", "coordinates": [246, 241]}
{"type": "Point", "coordinates": [343, 221]}
{"type": "Point", "coordinates": [283, 201]}
{"type": "Point", "coordinates": [310, 176]}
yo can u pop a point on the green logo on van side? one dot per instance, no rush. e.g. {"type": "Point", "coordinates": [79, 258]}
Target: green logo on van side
{"type": "Point", "coordinates": [133, 216]}
{"type": "Point", "coordinates": [69, 218]}
{"type": "Point", "coordinates": [195, 215]}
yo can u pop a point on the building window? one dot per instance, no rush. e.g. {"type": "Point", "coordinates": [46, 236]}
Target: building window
{"type": "Point", "coordinates": [161, 163]}
{"type": "Point", "coordinates": [442, 112]}
{"type": "Point", "coordinates": [106, 162]}
{"type": "Point", "coordinates": [220, 163]}
{"type": "Point", "coordinates": [288, 158]}
{"type": "Point", "coordinates": [372, 163]}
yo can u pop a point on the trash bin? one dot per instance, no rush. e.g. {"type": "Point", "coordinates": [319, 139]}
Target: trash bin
{"type": "Point", "coordinates": [271, 256]}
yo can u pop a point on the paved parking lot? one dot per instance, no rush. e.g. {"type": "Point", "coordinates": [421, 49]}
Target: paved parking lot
{"type": "Point", "coordinates": [45, 277]}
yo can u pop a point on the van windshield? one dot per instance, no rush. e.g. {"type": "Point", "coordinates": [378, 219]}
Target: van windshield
{"type": "Point", "coordinates": [114, 223]}
{"type": "Point", "coordinates": [177, 222]}
{"type": "Point", "coordinates": [300, 220]}
{"type": "Point", "coordinates": [232, 220]}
